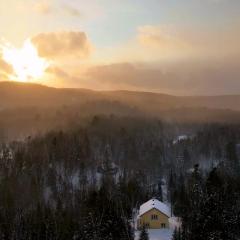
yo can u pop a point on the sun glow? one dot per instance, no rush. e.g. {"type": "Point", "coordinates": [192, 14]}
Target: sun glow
{"type": "Point", "coordinates": [26, 63]}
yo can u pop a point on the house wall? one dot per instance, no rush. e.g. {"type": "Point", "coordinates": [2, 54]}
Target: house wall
{"type": "Point", "coordinates": [146, 219]}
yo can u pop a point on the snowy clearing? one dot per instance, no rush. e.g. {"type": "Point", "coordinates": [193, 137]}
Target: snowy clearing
{"type": "Point", "coordinates": [157, 234]}
{"type": "Point", "coordinates": [162, 234]}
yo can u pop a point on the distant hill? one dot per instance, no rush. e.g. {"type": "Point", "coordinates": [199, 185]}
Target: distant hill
{"type": "Point", "coordinates": [14, 95]}
{"type": "Point", "coordinates": [29, 109]}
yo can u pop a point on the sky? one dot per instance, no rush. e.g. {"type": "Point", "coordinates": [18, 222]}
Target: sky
{"type": "Point", "coordinates": [181, 47]}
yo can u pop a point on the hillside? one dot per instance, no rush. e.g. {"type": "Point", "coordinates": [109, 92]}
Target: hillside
{"type": "Point", "coordinates": [13, 95]}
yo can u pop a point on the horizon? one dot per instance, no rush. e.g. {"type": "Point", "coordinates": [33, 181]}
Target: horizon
{"type": "Point", "coordinates": [113, 90]}
{"type": "Point", "coordinates": [176, 48]}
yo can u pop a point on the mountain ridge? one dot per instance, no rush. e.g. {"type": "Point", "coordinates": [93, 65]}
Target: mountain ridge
{"type": "Point", "coordinates": [15, 94]}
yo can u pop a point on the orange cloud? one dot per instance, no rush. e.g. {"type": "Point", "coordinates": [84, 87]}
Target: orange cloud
{"type": "Point", "coordinates": [5, 68]}
{"type": "Point", "coordinates": [164, 40]}
{"type": "Point", "coordinates": [159, 36]}
{"type": "Point", "coordinates": [43, 7]}
{"type": "Point", "coordinates": [62, 44]}
{"type": "Point", "coordinates": [59, 73]}
{"type": "Point", "coordinates": [184, 78]}
{"type": "Point", "coordinates": [177, 41]}
{"type": "Point", "coordinates": [72, 11]}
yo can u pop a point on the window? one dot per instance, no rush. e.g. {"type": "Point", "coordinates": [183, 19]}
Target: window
{"type": "Point", "coordinates": [146, 225]}
{"type": "Point", "coordinates": [154, 217]}
{"type": "Point", "coordinates": [163, 225]}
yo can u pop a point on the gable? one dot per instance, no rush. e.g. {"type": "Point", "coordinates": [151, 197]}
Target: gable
{"type": "Point", "coordinates": [156, 212]}
{"type": "Point", "coordinates": [154, 204]}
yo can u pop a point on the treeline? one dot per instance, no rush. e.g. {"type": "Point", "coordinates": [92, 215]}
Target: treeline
{"type": "Point", "coordinates": [209, 203]}
{"type": "Point", "coordinates": [45, 204]}
{"type": "Point", "coordinates": [84, 182]}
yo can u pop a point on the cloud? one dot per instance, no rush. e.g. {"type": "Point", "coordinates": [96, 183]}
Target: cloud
{"type": "Point", "coordinates": [59, 73]}
{"type": "Point", "coordinates": [62, 44]}
{"type": "Point", "coordinates": [199, 62]}
{"type": "Point", "coordinates": [132, 76]}
{"type": "Point", "coordinates": [186, 78]}
{"type": "Point", "coordinates": [165, 43]}
{"type": "Point", "coordinates": [72, 11]}
{"type": "Point", "coordinates": [58, 76]}
{"type": "Point", "coordinates": [164, 40]}
{"type": "Point", "coordinates": [43, 7]}
{"type": "Point", "coordinates": [177, 41]}
{"type": "Point", "coordinates": [5, 68]}
{"type": "Point", "coordinates": [160, 36]}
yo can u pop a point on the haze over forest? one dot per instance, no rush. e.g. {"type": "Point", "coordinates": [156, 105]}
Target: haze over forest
{"type": "Point", "coordinates": [31, 108]}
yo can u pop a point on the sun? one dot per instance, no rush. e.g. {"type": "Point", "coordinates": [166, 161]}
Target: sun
{"type": "Point", "coordinates": [26, 63]}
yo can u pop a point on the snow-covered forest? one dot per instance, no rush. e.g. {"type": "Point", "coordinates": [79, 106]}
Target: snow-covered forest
{"type": "Point", "coordinates": [84, 182]}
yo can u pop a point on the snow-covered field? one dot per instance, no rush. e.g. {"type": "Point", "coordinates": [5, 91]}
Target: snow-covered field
{"type": "Point", "coordinates": [162, 234]}
{"type": "Point", "coordinates": [157, 234]}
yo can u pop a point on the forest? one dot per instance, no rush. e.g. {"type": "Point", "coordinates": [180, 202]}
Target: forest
{"type": "Point", "coordinates": [86, 180]}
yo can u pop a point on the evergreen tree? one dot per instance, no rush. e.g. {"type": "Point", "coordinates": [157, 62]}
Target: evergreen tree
{"type": "Point", "coordinates": [232, 158]}
{"type": "Point", "coordinates": [159, 192]}
{"type": "Point", "coordinates": [212, 208]}
{"type": "Point", "coordinates": [144, 234]}
{"type": "Point", "coordinates": [195, 200]}
{"type": "Point", "coordinates": [172, 188]}
{"type": "Point", "coordinates": [181, 201]}
{"type": "Point", "coordinates": [175, 234]}
{"type": "Point", "coordinates": [187, 158]}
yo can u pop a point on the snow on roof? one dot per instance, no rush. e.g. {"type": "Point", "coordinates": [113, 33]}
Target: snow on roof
{"type": "Point", "coordinates": [154, 203]}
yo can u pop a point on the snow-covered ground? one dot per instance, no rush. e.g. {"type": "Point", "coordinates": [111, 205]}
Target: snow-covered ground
{"type": "Point", "coordinates": [157, 234]}
{"type": "Point", "coordinates": [162, 234]}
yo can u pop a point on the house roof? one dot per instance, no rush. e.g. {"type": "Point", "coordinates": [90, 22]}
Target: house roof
{"type": "Point", "coordinates": [154, 204]}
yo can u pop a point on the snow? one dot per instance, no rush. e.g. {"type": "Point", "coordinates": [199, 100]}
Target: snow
{"type": "Point", "coordinates": [238, 149]}
{"type": "Point", "coordinates": [180, 138]}
{"type": "Point", "coordinates": [47, 194]}
{"type": "Point", "coordinates": [75, 179]}
{"type": "Point", "coordinates": [174, 222]}
{"type": "Point", "coordinates": [164, 191]}
{"type": "Point", "coordinates": [162, 234]}
{"type": "Point", "coordinates": [154, 203]}
{"type": "Point", "coordinates": [157, 234]}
